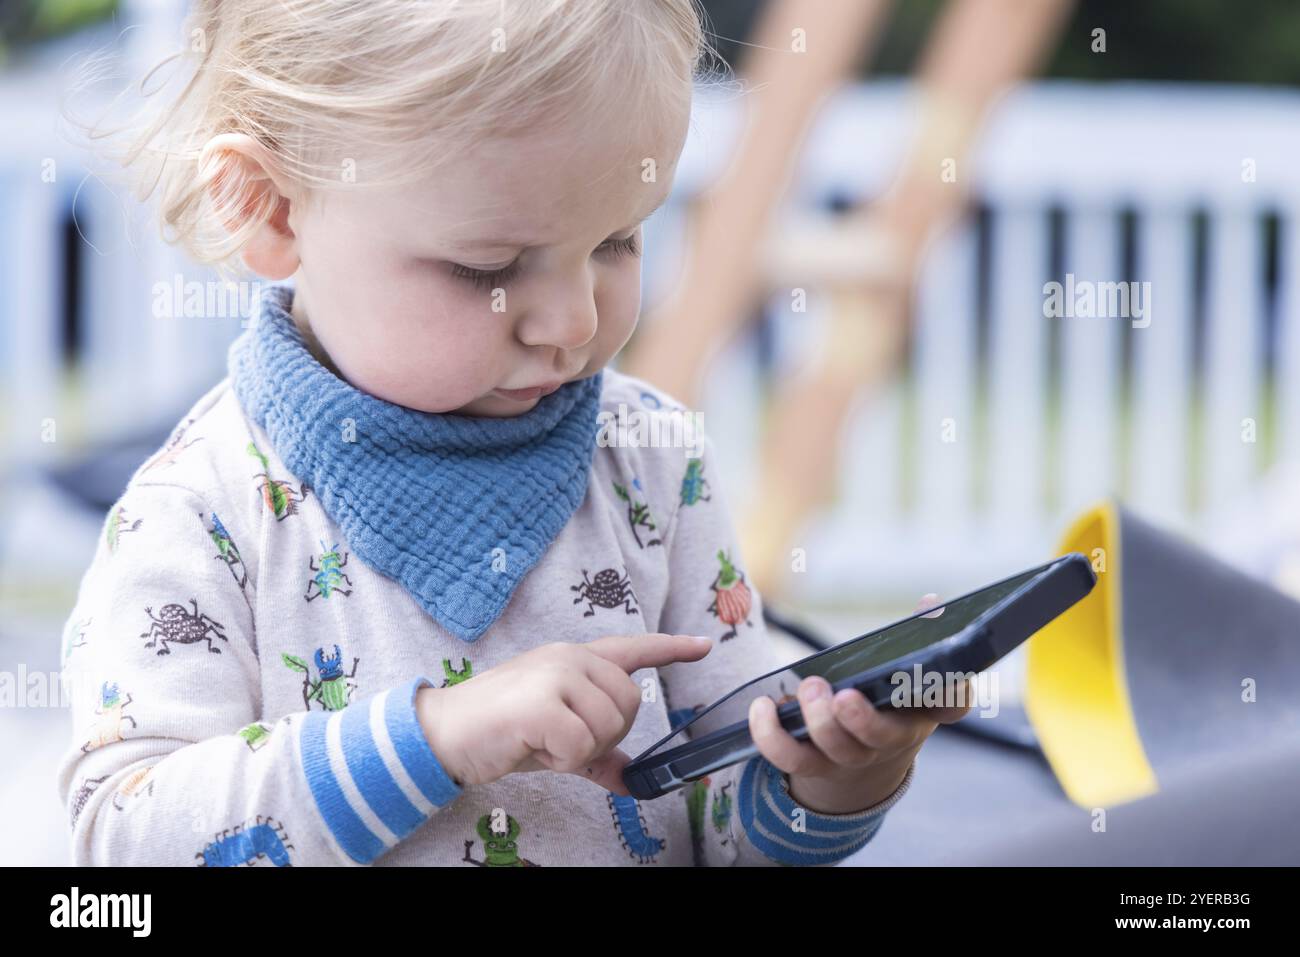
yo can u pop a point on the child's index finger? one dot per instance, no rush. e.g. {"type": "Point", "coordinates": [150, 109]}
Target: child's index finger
{"type": "Point", "coordinates": [633, 652]}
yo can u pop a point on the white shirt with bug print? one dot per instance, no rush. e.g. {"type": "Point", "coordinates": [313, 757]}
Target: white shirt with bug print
{"type": "Point", "coordinates": [242, 687]}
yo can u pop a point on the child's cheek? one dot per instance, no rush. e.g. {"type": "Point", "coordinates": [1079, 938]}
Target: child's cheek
{"type": "Point", "coordinates": [417, 359]}
{"type": "Point", "coordinates": [618, 304]}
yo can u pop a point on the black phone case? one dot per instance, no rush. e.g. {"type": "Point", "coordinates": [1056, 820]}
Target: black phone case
{"type": "Point", "coordinates": [1059, 584]}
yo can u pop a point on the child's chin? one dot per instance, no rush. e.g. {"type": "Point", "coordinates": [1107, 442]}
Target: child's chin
{"type": "Point", "coordinates": [496, 407]}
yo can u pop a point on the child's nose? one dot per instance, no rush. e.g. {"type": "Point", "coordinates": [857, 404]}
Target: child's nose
{"type": "Point", "coordinates": [567, 326]}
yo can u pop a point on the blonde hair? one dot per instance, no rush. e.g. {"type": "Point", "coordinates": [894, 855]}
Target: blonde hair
{"type": "Point", "coordinates": [317, 83]}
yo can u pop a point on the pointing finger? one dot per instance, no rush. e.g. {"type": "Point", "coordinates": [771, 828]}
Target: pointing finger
{"type": "Point", "coordinates": [633, 652]}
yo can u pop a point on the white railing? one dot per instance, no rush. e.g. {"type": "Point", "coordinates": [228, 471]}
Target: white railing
{"type": "Point", "coordinates": [131, 370]}
{"type": "Point", "coordinates": [1042, 440]}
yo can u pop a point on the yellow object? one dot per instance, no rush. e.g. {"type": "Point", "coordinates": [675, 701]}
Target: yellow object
{"type": "Point", "coordinates": [1076, 689]}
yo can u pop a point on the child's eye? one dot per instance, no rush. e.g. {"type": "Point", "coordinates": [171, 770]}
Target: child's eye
{"type": "Point", "coordinates": [622, 247]}
{"type": "Point", "coordinates": [490, 279]}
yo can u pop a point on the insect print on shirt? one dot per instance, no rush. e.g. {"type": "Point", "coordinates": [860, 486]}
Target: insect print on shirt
{"type": "Point", "coordinates": [227, 551]}
{"type": "Point", "coordinates": [117, 526]}
{"type": "Point", "coordinates": [255, 735]}
{"type": "Point", "coordinates": [499, 833]}
{"type": "Point", "coordinates": [88, 787]}
{"type": "Point", "coordinates": [695, 487]}
{"type": "Point", "coordinates": [169, 452]}
{"type": "Point", "coordinates": [332, 689]}
{"type": "Point", "coordinates": [697, 796]}
{"type": "Point", "coordinates": [721, 811]}
{"type": "Point", "coordinates": [731, 596]}
{"type": "Point", "coordinates": [608, 590]}
{"type": "Point", "coordinates": [638, 512]}
{"type": "Point", "coordinates": [682, 715]}
{"type": "Point", "coordinates": [329, 577]}
{"type": "Point", "coordinates": [247, 843]}
{"type": "Point", "coordinates": [278, 494]}
{"type": "Point", "coordinates": [175, 625]}
{"type": "Point", "coordinates": [80, 628]}
{"type": "Point", "coordinates": [652, 401]}
{"type": "Point", "coordinates": [454, 677]}
{"type": "Point", "coordinates": [629, 824]}
{"type": "Point", "coordinates": [138, 784]}
{"type": "Point", "coordinates": [676, 716]}
{"type": "Point", "coordinates": [111, 712]}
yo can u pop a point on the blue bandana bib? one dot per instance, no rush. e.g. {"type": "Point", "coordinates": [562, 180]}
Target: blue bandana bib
{"type": "Point", "coordinates": [454, 508]}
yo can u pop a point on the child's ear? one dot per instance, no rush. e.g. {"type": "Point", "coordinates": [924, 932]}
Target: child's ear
{"type": "Point", "coordinates": [240, 181]}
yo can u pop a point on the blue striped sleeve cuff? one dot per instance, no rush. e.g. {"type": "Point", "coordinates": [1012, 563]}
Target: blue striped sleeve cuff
{"type": "Point", "coordinates": [767, 811]}
{"type": "Point", "coordinates": [371, 771]}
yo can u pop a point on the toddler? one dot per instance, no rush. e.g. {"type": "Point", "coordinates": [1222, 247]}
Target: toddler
{"type": "Point", "coordinates": [388, 595]}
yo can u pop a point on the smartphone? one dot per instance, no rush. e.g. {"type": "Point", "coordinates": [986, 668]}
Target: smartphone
{"type": "Point", "coordinates": [965, 635]}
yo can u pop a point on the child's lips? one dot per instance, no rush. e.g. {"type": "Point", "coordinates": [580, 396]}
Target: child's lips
{"type": "Point", "coordinates": [524, 395]}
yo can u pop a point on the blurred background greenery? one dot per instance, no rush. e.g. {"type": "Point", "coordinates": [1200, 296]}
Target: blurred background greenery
{"type": "Point", "coordinates": [23, 22]}
{"type": "Point", "coordinates": [1206, 41]}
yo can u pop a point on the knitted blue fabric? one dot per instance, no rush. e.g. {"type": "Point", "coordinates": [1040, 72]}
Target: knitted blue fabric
{"type": "Point", "coordinates": [423, 498]}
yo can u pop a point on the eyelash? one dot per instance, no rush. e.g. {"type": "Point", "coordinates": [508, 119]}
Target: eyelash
{"type": "Point", "coordinates": [499, 277]}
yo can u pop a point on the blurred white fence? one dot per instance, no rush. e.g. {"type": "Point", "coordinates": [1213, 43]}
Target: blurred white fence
{"type": "Point", "coordinates": [1108, 182]}
{"type": "Point", "coordinates": [1191, 189]}
{"type": "Point", "coordinates": [80, 346]}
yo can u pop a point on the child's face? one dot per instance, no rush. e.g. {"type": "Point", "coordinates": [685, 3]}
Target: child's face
{"type": "Point", "coordinates": [377, 277]}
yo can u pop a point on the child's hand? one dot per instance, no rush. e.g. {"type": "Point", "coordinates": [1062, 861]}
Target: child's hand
{"type": "Point", "coordinates": [559, 707]}
{"type": "Point", "coordinates": [857, 755]}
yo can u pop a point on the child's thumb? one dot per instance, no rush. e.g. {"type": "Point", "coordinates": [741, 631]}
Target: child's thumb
{"type": "Point", "coordinates": [929, 600]}
{"type": "Point", "coordinates": [607, 771]}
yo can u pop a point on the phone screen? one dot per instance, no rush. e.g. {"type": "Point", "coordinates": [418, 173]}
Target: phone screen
{"type": "Point", "coordinates": [845, 660]}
